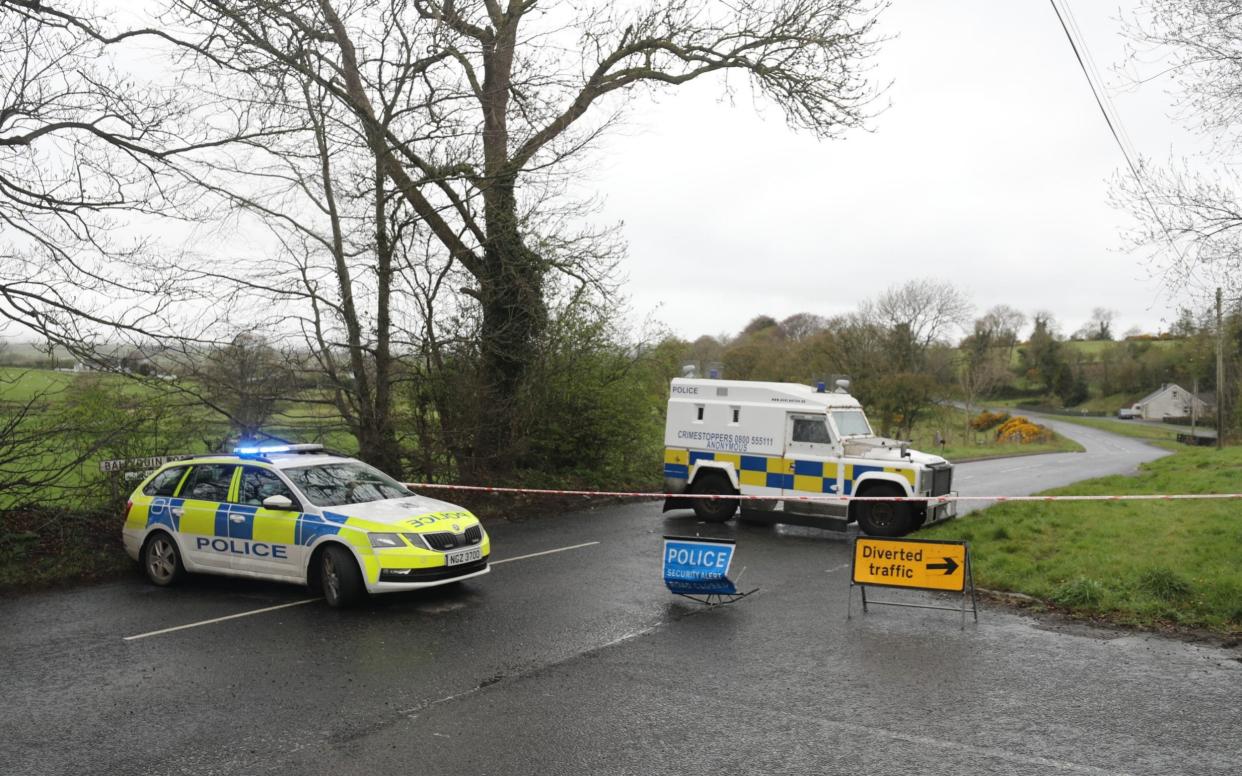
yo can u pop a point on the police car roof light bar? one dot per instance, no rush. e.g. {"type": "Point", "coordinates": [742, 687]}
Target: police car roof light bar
{"type": "Point", "coordinates": [267, 449]}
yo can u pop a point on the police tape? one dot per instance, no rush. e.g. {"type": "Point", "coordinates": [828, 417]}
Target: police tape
{"type": "Point", "coordinates": [825, 497]}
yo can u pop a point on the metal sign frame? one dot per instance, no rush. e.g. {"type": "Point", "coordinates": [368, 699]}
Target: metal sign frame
{"type": "Point", "coordinates": [968, 581]}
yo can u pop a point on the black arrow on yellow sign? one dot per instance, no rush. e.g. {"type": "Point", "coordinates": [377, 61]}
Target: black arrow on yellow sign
{"type": "Point", "coordinates": [949, 566]}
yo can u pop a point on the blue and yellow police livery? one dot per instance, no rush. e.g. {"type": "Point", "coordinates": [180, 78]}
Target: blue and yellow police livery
{"type": "Point", "coordinates": [785, 442]}
{"type": "Point", "coordinates": [297, 513]}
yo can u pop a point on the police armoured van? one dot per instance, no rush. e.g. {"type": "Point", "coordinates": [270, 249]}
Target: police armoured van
{"type": "Point", "coordinates": [785, 442]}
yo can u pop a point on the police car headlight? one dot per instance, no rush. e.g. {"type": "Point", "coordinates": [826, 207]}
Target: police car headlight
{"type": "Point", "coordinates": [385, 540]}
{"type": "Point", "coordinates": [416, 541]}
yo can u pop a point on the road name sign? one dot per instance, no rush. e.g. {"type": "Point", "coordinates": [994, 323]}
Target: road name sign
{"type": "Point", "coordinates": [138, 464]}
{"type": "Point", "coordinates": [916, 563]}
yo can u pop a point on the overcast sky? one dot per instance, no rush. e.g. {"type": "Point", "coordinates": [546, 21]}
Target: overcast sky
{"type": "Point", "coordinates": [991, 169]}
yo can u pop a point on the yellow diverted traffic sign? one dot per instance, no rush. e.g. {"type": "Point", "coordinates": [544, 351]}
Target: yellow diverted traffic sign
{"type": "Point", "coordinates": [917, 563]}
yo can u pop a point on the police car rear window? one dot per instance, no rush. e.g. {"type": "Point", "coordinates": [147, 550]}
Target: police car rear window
{"type": "Point", "coordinates": [209, 482]}
{"type": "Point", "coordinates": [164, 483]}
{"type": "Point", "coordinates": [334, 484]}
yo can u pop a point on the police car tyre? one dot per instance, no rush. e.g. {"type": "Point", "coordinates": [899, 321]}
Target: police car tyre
{"type": "Point", "coordinates": [713, 510]}
{"type": "Point", "coordinates": [161, 561]}
{"type": "Point", "coordinates": [339, 576]}
{"type": "Point", "coordinates": [885, 518]}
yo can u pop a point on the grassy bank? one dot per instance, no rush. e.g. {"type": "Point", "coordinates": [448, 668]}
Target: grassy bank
{"type": "Point", "coordinates": [45, 548]}
{"type": "Point", "coordinates": [963, 443]}
{"type": "Point", "coordinates": [1148, 564]}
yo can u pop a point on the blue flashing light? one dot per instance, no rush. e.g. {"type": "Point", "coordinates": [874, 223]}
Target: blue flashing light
{"type": "Point", "coordinates": [261, 449]}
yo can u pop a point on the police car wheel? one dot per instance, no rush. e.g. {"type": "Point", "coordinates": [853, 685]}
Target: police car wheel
{"type": "Point", "coordinates": [160, 560]}
{"type": "Point", "coordinates": [885, 518]}
{"type": "Point", "coordinates": [716, 510]}
{"type": "Point", "coordinates": [339, 577]}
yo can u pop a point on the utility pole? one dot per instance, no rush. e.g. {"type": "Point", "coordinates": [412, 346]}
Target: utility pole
{"type": "Point", "coordinates": [1194, 409]}
{"type": "Point", "coordinates": [1220, 375]}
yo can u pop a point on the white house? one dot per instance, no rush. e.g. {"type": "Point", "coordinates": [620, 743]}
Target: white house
{"type": "Point", "coordinates": [1171, 401]}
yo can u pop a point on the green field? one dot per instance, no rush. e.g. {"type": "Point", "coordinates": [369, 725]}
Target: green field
{"type": "Point", "coordinates": [19, 385]}
{"type": "Point", "coordinates": [80, 409]}
{"type": "Point", "coordinates": [1144, 563]}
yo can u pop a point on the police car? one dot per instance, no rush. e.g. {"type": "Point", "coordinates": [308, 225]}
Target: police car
{"type": "Point", "coordinates": [298, 513]}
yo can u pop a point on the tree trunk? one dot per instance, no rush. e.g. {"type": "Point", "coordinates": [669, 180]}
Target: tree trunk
{"type": "Point", "coordinates": [514, 317]}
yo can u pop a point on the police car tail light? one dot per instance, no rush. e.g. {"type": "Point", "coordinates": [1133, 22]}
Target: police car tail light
{"type": "Point", "coordinates": [128, 506]}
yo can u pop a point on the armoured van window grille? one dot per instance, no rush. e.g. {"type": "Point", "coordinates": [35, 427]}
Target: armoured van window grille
{"type": "Point", "coordinates": [722, 391]}
{"type": "Point", "coordinates": [737, 413]}
{"type": "Point", "coordinates": [811, 431]}
{"type": "Point", "coordinates": [699, 411]}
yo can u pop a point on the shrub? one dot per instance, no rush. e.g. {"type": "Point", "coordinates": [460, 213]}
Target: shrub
{"type": "Point", "coordinates": [1163, 583]}
{"type": "Point", "coordinates": [1020, 429]}
{"type": "Point", "coordinates": [1079, 592]}
{"type": "Point", "coordinates": [986, 421]}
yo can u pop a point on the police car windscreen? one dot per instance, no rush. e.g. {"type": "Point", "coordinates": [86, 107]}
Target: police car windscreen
{"type": "Point", "coordinates": [334, 484]}
{"type": "Point", "coordinates": [851, 423]}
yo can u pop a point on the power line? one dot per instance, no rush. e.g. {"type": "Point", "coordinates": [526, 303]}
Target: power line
{"type": "Point", "coordinates": [1113, 127]}
{"type": "Point", "coordinates": [1072, 18]}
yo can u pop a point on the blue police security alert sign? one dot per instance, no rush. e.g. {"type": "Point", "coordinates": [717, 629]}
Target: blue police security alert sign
{"type": "Point", "coordinates": [698, 566]}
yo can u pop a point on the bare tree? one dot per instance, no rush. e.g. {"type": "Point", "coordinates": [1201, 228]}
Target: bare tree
{"type": "Point", "coordinates": [1192, 216]}
{"type": "Point", "coordinates": [800, 326]}
{"type": "Point", "coordinates": [1003, 325]}
{"type": "Point", "coordinates": [476, 141]}
{"type": "Point", "coordinates": [984, 364]}
{"type": "Point", "coordinates": [86, 148]}
{"type": "Point", "coordinates": [1100, 327]}
{"type": "Point", "coordinates": [244, 381]}
{"type": "Point", "coordinates": [922, 311]}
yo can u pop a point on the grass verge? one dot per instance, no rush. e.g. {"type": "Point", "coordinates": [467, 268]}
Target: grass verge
{"type": "Point", "coordinates": [1126, 428]}
{"type": "Point", "coordinates": [1148, 564]}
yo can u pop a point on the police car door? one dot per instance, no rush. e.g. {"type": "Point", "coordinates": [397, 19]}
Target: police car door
{"type": "Point", "coordinates": [810, 447]}
{"type": "Point", "coordinates": [204, 524]}
{"type": "Point", "coordinates": [265, 536]}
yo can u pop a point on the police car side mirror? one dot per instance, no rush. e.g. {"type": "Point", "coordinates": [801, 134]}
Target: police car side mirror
{"type": "Point", "coordinates": [278, 502]}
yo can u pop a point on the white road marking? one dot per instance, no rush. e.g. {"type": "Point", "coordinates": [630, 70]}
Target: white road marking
{"type": "Point", "coordinates": [837, 568]}
{"type": "Point", "coordinates": [312, 600]}
{"type": "Point", "coordinates": [545, 552]}
{"type": "Point", "coordinates": [221, 619]}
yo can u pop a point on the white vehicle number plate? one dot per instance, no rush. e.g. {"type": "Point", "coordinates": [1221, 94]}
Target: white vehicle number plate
{"type": "Point", "coordinates": [464, 556]}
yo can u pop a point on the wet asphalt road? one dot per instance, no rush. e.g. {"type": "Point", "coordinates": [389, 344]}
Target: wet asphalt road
{"type": "Point", "coordinates": [580, 662]}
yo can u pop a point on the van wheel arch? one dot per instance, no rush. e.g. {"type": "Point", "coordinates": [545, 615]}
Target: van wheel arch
{"type": "Point", "coordinates": [877, 518]}
{"type": "Point", "coordinates": [714, 482]}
